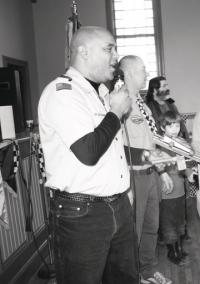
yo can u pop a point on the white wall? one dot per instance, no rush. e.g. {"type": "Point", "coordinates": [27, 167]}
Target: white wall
{"type": "Point", "coordinates": [17, 39]}
{"type": "Point", "coordinates": [50, 17]}
{"type": "Point", "coordinates": [181, 36]}
{"type": "Point", "coordinates": [180, 21]}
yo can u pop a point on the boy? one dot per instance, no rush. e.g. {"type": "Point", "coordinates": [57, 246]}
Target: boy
{"type": "Point", "coordinates": [172, 214]}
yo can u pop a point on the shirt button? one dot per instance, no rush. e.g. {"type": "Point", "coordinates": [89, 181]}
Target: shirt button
{"type": "Point", "coordinates": [116, 139]}
{"type": "Point", "coordinates": [120, 157]}
{"type": "Point", "coordinates": [121, 176]}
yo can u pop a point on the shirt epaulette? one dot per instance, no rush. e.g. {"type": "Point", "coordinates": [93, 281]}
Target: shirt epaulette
{"type": "Point", "coordinates": [63, 86]}
{"type": "Point", "coordinates": [66, 77]}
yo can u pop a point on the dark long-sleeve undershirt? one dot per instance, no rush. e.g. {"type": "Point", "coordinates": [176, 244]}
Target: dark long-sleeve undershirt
{"type": "Point", "coordinates": [90, 148]}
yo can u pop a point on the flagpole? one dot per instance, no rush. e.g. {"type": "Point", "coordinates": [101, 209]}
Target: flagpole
{"type": "Point", "coordinates": [72, 25]}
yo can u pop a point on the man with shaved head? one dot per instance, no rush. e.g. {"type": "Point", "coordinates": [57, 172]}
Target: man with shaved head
{"type": "Point", "coordinates": [140, 126]}
{"type": "Point", "coordinates": [86, 168]}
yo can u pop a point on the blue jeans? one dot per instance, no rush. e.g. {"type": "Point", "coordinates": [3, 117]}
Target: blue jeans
{"type": "Point", "coordinates": [94, 242]}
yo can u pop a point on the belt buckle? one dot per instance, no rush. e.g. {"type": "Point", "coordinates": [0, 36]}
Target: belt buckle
{"type": "Point", "coordinates": [109, 199]}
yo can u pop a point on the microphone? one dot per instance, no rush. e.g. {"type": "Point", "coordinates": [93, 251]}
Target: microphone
{"type": "Point", "coordinates": [118, 79]}
{"type": "Point", "coordinates": [118, 82]}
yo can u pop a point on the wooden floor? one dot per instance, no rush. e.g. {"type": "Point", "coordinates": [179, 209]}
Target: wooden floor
{"type": "Point", "coordinates": [187, 274]}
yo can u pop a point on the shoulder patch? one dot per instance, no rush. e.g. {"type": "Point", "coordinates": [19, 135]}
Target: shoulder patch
{"type": "Point", "coordinates": [63, 86]}
{"type": "Point", "coordinates": [137, 119]}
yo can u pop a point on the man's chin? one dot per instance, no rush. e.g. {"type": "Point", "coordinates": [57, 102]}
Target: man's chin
{"type": "Point", "coordinates": [167, 97]}
{"type": "Point", "coordinates": [110, 76]}
{"type": "Point", "coordinates": [163, 97]}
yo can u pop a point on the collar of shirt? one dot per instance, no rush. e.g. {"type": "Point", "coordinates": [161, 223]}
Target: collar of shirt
{"type": "Point", "coordinates": [138, 96]}
{"type": "Point", "coordinates": [84, 83]}
{"type": "Point", "coordinates": [94, 85]}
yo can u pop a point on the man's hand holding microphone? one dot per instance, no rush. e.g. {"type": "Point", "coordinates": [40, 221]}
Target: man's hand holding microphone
{"type": "Point", "coordinates": [120, 102]}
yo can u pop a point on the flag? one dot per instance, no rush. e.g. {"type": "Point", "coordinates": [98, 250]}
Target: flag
{"type": "Point", "coordinates": [71, 27]}
{"type": "Point", "coordinates": [4, 187]}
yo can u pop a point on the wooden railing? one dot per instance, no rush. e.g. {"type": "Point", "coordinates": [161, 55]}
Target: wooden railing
{"type": "Point", "coordinates": [14, 237]}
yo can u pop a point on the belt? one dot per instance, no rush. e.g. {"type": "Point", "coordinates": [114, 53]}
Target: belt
{"type": "Point", "coordinates": [86, 197]}
{"type": "Point", "coordinates": [147, 171]}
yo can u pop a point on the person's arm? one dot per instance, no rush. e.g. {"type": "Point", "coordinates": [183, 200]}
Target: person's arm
{"type": "Point", "coordinates": [167, 183]}
{"type": "Point", "coordinates": [89, 148]}
{"type": "Point", "coordinates": [68, 117]}
{"type": "Point", "coordinates": [196, 133]}
{"type": "Point", "coordinates": [133, 155]}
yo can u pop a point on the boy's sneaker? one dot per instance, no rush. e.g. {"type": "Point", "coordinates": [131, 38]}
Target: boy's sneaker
{"type": "Point", "coordinates": [158, 278]}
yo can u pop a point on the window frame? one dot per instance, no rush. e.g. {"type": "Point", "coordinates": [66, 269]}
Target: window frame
{"type": "Point", "coordinates": [110, 18]}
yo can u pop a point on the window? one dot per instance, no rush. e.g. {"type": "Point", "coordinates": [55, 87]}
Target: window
{"type": "Point", "coordinates": [136, 25]}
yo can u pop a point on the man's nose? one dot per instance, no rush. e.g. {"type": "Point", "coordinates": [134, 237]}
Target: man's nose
{"type": "Point", "coordinates": [147, 74]}
{"type": "Point", "coordinates": [115, 53]}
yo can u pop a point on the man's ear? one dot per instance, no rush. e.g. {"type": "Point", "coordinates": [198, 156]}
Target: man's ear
{"type": "Point", "coordinates": [128, 74]}
{"type": "Point", "coordinates": [82, 50]}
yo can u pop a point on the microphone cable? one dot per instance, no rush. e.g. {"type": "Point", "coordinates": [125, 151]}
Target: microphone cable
{"type": "Point", "coordinates": [132, 186]}
{"type": "Point", "coordinates": [117, 83]}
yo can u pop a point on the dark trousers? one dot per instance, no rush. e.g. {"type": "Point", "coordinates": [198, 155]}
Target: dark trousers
{"type": "Point", "coordinates": [147, 220]}
{"type": "Point", "coordinates": [172, 219]}
{"type": "Point", "coordinates": [94, 242]}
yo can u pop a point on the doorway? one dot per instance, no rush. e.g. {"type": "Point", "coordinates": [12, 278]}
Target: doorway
{"type": "Point", "coordinates": [21, 97]}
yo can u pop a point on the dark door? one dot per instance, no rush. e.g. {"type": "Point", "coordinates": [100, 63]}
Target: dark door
{"type": "Point", "coordinates": [10, 94]}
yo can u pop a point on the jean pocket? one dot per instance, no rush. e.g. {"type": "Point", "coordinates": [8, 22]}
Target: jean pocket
{"type": "Point", "coordinates": [71, 209]}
